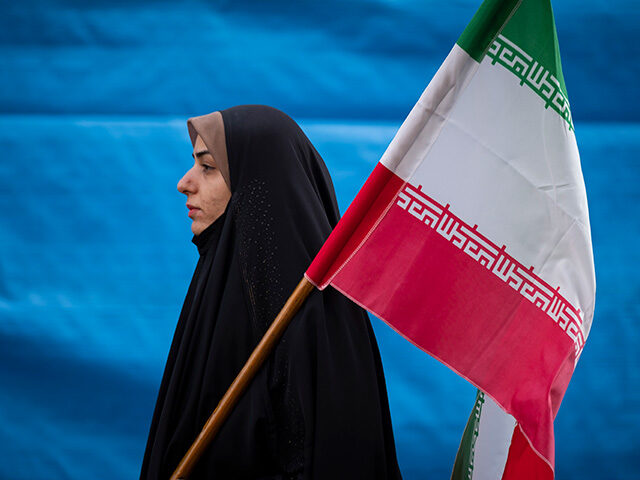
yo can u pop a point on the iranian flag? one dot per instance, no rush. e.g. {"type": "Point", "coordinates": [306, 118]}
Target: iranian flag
{"type": "Point", "coordinates": [471, 236]}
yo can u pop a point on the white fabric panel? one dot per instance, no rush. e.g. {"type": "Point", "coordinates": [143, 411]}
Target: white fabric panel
{"type": "Point", "coordinates": [492, 445]}
{"type": "Point", "coordinates": [423, 124]}
{"type": "Point", "coordinates": [505, 163]}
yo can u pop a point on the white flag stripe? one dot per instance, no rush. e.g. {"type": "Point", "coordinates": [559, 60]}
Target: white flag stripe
{"type": "Point", "coordinates": [423, 124]}
{"type": "Point", "coordinates": [492, 445]}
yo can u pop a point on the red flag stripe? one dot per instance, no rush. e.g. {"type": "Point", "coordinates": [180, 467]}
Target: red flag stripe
{"type": "Point", "coordinates": [522, 461]}
{"type": "Point", "coordinates": [366, 210]}
{"type": "Point", "coordinates": [445, 301]}
{"type": "Point", "coordinates": [495, 259]}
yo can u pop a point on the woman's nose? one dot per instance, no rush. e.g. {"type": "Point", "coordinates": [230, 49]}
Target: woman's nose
{"type": "Point", "coordinates": [185, 185]}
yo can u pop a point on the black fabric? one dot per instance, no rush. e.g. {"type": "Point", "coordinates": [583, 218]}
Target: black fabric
{"type": "Point", "coordinates": [318, 408]}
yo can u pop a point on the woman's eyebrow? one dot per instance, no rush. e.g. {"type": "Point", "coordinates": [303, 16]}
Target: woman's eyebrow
{"type": "Point", "coordinates": [200, 153]}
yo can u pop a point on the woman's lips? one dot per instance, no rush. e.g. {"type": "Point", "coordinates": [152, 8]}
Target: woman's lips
{"type": "Point", "coordinates": [192, 209]}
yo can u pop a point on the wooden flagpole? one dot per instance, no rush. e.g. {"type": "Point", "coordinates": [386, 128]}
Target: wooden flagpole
{"type": "Point", "coordinates": [241, 382]}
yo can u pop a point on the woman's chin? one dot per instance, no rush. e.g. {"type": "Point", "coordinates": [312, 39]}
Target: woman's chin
{"type": "Point", "coordinates": [197, 227]}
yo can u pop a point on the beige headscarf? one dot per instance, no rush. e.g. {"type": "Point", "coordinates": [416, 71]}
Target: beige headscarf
{"type": "Point", "coordinates": [211, 128]}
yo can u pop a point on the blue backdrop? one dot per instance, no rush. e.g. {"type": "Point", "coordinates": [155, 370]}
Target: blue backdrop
{"type": "Point", "coordinates": [95, 241]}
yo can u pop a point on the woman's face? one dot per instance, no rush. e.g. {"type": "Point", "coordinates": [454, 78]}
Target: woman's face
{"type": "Point", "coordinates": [207, 192]}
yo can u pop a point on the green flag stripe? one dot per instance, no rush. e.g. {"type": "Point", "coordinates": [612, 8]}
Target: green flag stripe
{"type": "Point", "coordinates": [485, 25]}
{"type": "Point", "coordinates": [521, 36]}
{"type": "Point", "coordinates": [533, 29]}
{"type": "Point", "coordinates": [463, 466]}
{"type": "Point", "coordinates": [530, 71]}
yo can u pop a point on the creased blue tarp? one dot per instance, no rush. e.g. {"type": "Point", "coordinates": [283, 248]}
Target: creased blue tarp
{"type": "Point", "coordinates": [96, 260]}
{"type": "Point", "coordinates": [363, 59]}
{"type": "Point", "coordinates": [95, 242]}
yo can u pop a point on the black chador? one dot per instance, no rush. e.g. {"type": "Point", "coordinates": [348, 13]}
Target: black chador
{"type": "Point", "coordinates": [318, 407]}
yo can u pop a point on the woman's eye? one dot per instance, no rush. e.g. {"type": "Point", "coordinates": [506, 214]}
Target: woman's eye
{"type": "Point", "coordinates": [206, 167]}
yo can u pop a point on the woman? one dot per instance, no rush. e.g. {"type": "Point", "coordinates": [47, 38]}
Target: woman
{"type": "Point", "coordinates": [262, 204]}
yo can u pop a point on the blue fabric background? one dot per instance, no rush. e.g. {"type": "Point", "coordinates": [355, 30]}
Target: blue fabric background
{"type": "Point", "coordinates": [95, 241]}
